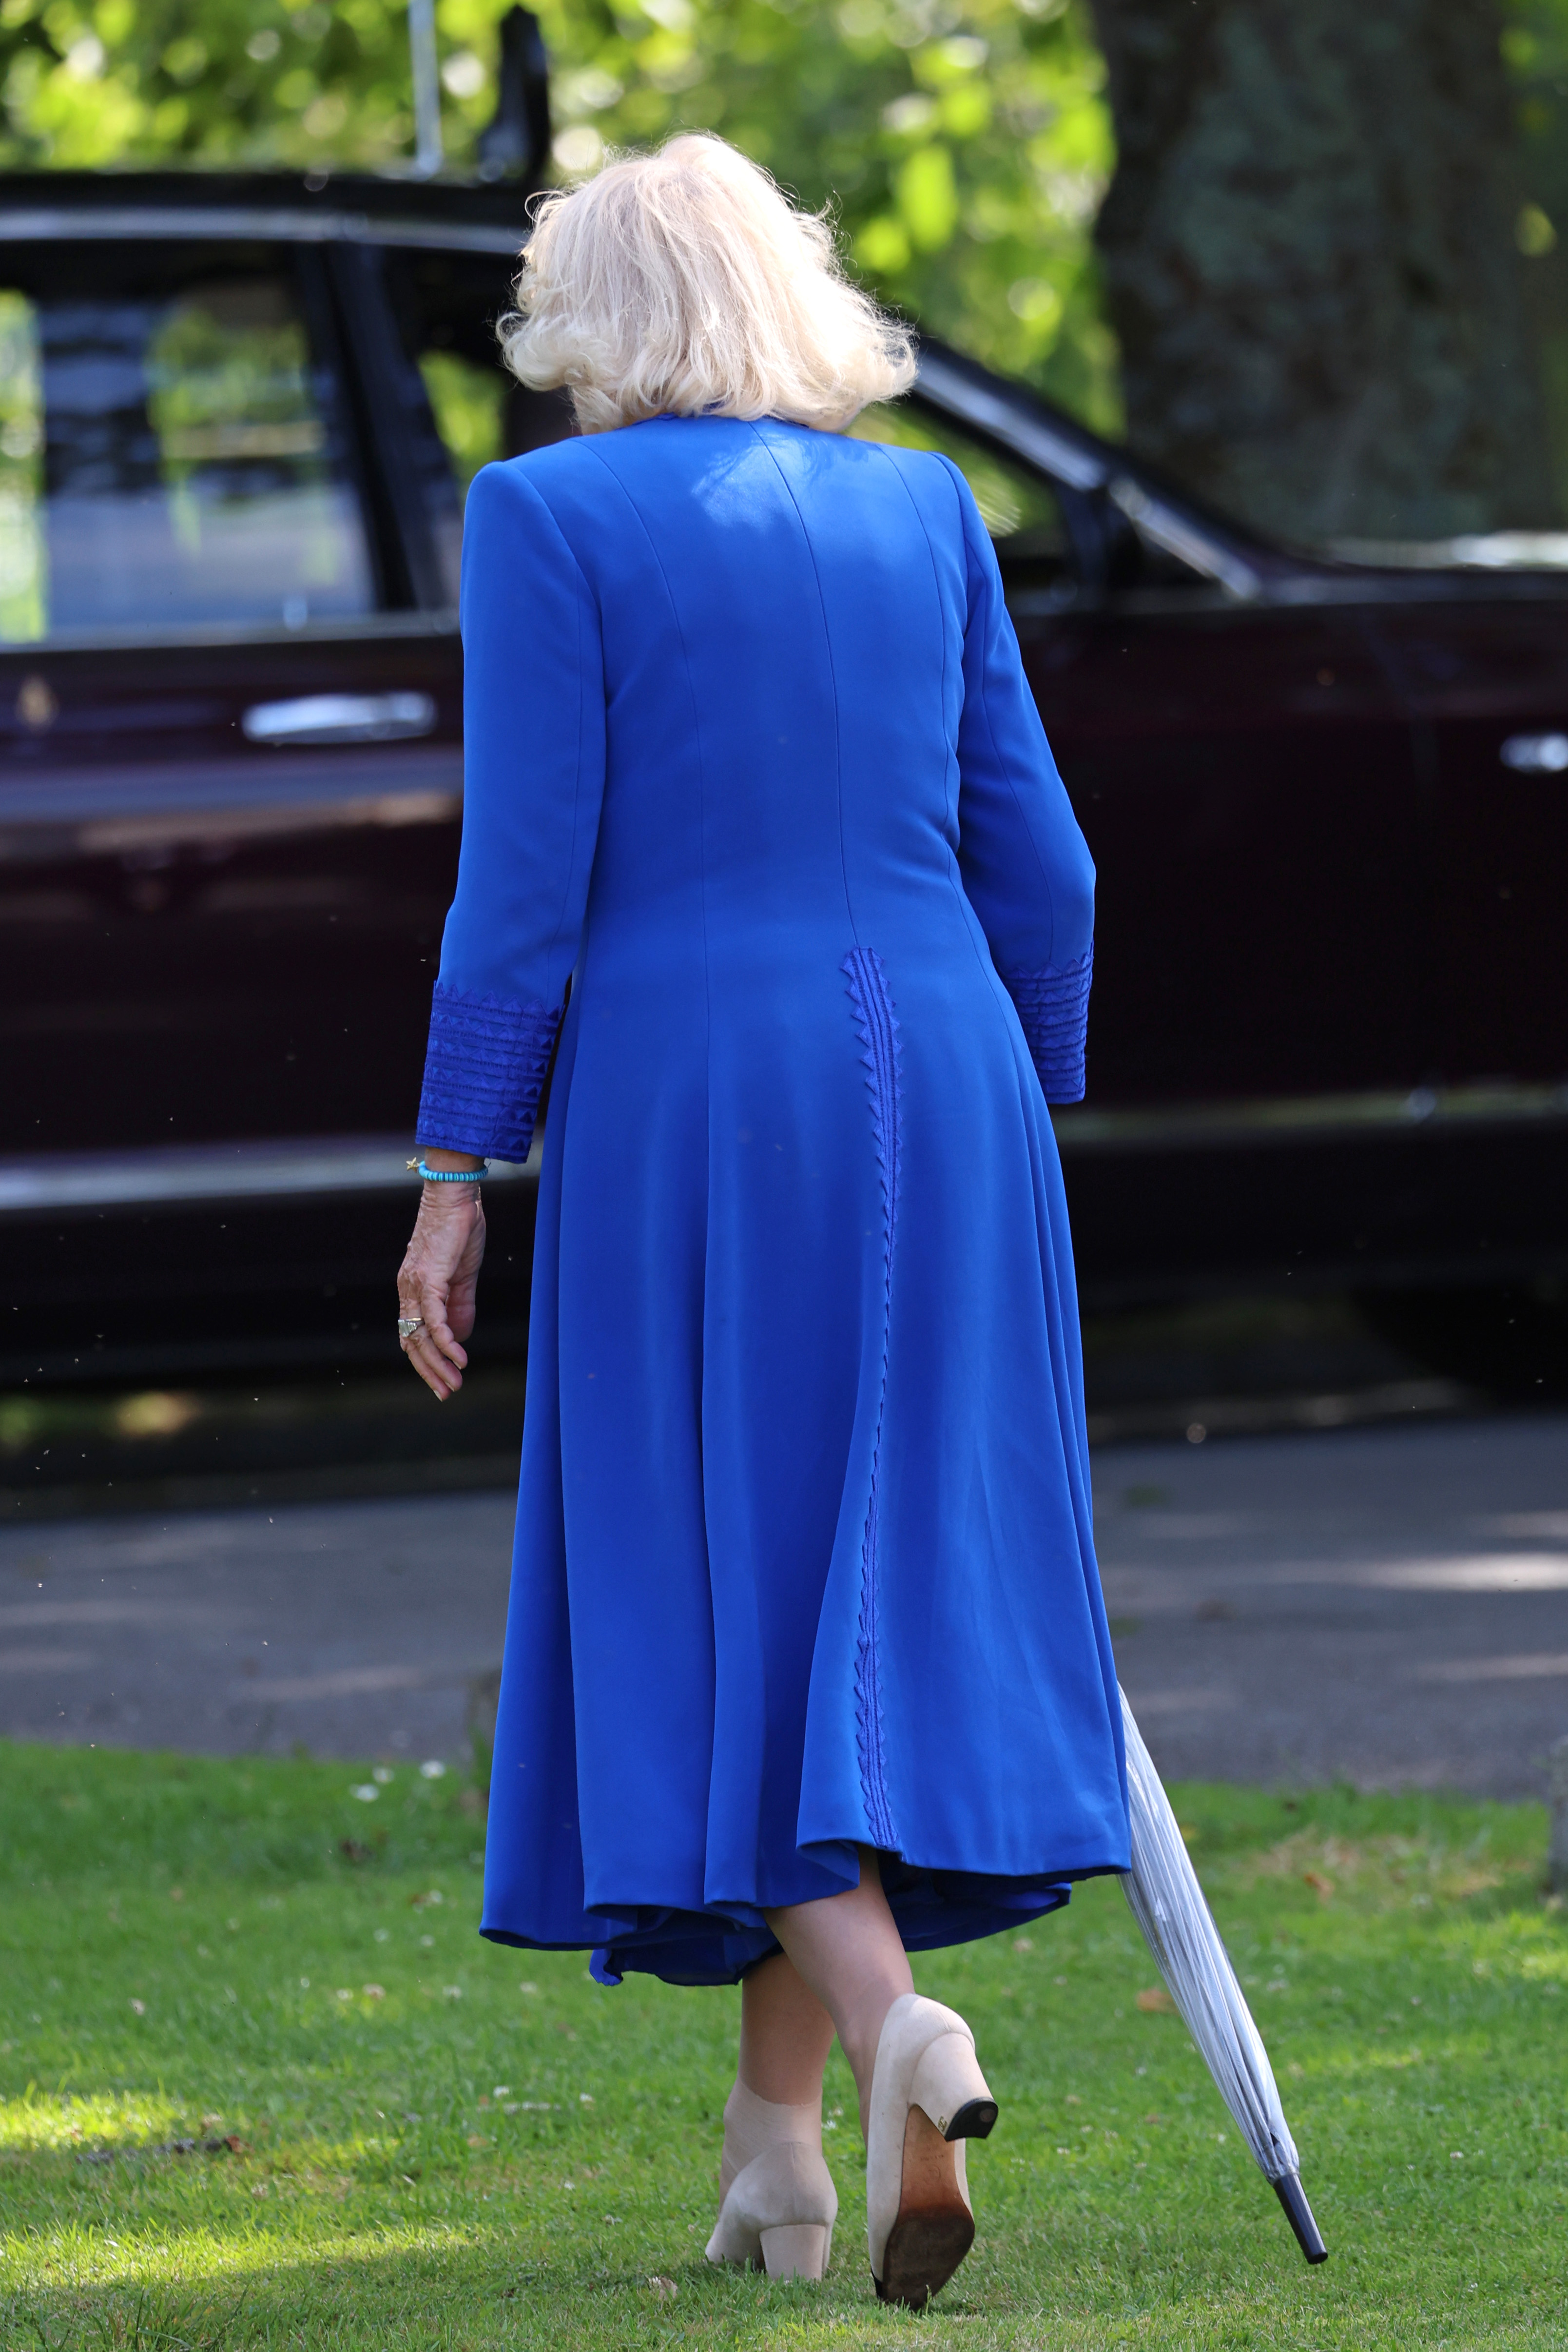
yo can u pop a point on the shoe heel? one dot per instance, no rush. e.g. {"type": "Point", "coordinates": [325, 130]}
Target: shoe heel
{"type": "Point", "coordinates": [797, 2250]}
{"type": "Point", "coordinates": [949, 2088]}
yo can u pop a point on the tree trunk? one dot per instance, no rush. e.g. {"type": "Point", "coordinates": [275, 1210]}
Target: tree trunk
{"type": "Point", "coordinates": [1310, 255]}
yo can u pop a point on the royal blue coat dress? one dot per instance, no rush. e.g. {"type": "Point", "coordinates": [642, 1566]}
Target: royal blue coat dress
{"type": "Point", "coordinates": [804, 1554]}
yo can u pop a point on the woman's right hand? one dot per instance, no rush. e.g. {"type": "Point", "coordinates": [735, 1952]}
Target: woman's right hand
{"type": "Point", "coordinates": [437, 1282]}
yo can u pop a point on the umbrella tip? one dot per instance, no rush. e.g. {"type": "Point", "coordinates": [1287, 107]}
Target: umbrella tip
{"type": "Point", "coordinates": [1299, 2213]}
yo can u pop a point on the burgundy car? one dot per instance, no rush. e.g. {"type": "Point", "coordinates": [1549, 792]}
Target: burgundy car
{"type": "Point", "coordinates": [237, 418]}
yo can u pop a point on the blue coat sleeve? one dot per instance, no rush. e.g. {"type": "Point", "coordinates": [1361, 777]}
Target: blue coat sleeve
{"type": "Point", "coordinates": [533, 726]}
{"type": "Point", "coordinates": [1025, 864]}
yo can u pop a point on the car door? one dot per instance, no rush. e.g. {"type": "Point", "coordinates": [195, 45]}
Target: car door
{"type": "Point", "coordinates": [1244, 773]}
{"type": "Point", "coordinates": [1242, 768]}
{"type": "Point", "coordinates": [230, 757]}
{"type": "Point", "coordinates": [1485, 666]}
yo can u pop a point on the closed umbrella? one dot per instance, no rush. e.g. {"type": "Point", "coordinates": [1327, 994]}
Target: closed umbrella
{"type": "Point", "coordinates": [1179, 1927]}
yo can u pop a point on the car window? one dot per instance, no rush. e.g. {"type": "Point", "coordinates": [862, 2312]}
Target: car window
{"type": "Point", "coordinates": [446, 306]}
{"type": "Point", "coordinates": [21, 473]}
{"type": "Point", "coordinates": [172, 444]}
{"type": "Point", "coordinates": [1018, 508]}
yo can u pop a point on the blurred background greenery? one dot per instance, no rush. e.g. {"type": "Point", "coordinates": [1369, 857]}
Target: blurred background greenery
{"type": "Point", "coordinates": [967, 142]}
{"type": "Point", "coordinates": [970, 146]}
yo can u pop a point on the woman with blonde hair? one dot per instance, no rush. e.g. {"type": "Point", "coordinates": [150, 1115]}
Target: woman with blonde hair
{"type": "Point", "coordinates": [807, 1664]}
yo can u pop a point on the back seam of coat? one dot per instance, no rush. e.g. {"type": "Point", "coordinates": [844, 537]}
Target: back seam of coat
{"type": "Point", "coordinates": [832, 673]}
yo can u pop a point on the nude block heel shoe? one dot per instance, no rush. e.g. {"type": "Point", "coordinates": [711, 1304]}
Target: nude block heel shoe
{"type": "Point", "coordinates": [799, 2251]}
{"type": "Point", "coordinates": [778, 2215]}
{"type": "Point", "coordinates": [927, 2096]}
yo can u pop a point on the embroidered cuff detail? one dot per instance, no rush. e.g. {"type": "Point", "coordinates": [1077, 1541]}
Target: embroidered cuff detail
{"type": "Point", "coordinates": [484, 1072]}
{"type": "Point", "coordinates": [1053, 1007]}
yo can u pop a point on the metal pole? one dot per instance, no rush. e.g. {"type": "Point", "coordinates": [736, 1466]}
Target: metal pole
{"type": "Point", "coordinates": [426, 85]}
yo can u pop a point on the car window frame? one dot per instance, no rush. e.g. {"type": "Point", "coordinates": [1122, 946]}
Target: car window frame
{"type": "Point", "coordinates": [1103, 505]}
{"type": "Point", "coordinates": [1100, 531]}
{"type": "Point", "coordinates": [1107, 507]}
{"type": "Point", "coordinates": [392, 419]}
{"type": "Point", "coordinates": [349, 318]}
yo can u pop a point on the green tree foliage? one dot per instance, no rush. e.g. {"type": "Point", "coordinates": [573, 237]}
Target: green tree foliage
{"type": "Point", "coordinates": [1535, 50]}
{"type": "Point", "coordinates": [1313, 261]}
{"type": "Point", "coordinates": [966, 143]}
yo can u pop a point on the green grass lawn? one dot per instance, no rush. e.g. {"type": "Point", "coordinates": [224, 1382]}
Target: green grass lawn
{"type": "Point", "coordinates": [406, 2137]}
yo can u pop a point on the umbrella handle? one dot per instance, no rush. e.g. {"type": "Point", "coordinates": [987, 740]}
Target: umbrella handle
{"type": "Point", "coordinates": [1299, 2213]}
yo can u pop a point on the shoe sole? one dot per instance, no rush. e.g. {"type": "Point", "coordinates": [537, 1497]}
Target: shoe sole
{"type": "Point", "coordinates": [935, 2228]}
{"type": "Point", "coordinates": [924, 2250]}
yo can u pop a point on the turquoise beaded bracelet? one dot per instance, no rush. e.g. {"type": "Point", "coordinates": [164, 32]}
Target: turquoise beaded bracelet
{"type": "Point", "coordinates": [449, 1175]}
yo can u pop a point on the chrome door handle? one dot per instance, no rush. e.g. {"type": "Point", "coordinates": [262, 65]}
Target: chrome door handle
{"type": "Point", "coordinates": [340, 719]}
{"type": "Point", "coordinates": [1536, 755]}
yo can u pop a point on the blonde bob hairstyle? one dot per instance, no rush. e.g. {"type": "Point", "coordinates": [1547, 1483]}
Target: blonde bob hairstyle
{"type": "Point", "coordinates": [685, 283]}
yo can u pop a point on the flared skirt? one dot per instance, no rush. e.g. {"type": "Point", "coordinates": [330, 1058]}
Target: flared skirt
{"type": "Point", "coordinates": [804, 1556]}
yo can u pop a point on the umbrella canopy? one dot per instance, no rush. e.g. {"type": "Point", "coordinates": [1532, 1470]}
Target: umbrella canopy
{"type": "Point", "coordinates": [1168, 1905]}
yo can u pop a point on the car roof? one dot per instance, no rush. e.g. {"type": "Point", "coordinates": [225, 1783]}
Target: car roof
{"type": "Point", "coordinates": [384, 209]}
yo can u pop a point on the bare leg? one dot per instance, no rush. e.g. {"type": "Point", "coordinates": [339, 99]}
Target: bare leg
{"type": "Point", "coordinates": [846, 1951]}
{"type": "Point", "coordinates": [784, 2035]}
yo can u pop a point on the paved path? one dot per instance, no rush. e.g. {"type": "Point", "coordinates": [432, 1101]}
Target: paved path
{"type": "Point", "coordinates": [1388, 1605]}
{"type": "Point", "coordinates": [356, 1628]}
